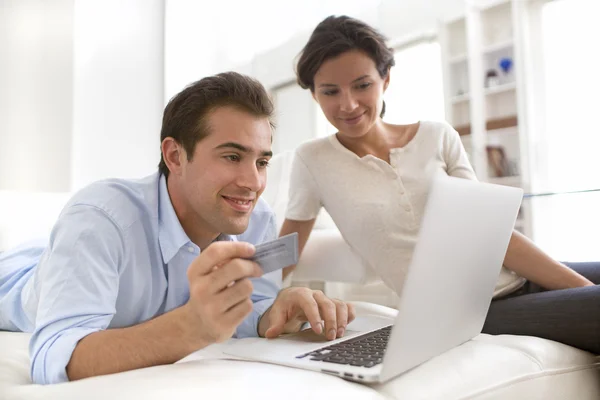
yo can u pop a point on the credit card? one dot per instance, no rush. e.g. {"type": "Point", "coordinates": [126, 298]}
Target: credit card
{"type": "Point", "coordinates": [277, 254]}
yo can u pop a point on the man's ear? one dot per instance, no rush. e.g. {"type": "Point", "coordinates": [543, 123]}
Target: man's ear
{"type": "Point", "coordinates": [173, 154]}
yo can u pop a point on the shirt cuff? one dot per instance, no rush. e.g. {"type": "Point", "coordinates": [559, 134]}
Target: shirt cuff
{"type": "Point", "coordinates": [49, 363]}
{"type": "Point", "coordinates": [249, 327]}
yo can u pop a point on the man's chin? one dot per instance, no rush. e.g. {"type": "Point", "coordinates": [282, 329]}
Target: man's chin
{"type": "Point", "coordinates": [235, 227]}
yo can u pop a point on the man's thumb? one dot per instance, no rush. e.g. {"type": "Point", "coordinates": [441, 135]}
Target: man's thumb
{"type": "Point", "coordinates": [277, 322]}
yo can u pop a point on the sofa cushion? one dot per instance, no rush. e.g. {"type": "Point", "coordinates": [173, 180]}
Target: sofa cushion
{"type": "Point", "coordinates": [203, 379]}
{"type": "Point", "coordinates": [487, 367]}
{"type": "Point", "coordinates": [503, 367]}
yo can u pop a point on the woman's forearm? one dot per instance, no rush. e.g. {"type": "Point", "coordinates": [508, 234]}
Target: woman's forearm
{"type": "Point", "coordinates": [527, 260]}
{"type": "Point", "coordinates": [303, 228]}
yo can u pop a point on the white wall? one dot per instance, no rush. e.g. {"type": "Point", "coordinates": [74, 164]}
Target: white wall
{"type": "Point", "coordinates": [81, 99]}
{"type": "Point", "coordinates": [407, 18]}
{"type": "Point", "coordinates": [82, 91]}
{"type": "Point", "coordinates": [206, 37]}
{"type": "Point", "coordinates": [398, 20]}
{"type": "Point", "coordinates": [276, 66]}
{"type": "Point", "coordinates": [36, 68]}
{"type": "Point", "coordinates": [294, 111]}
{"type": "Point", "coordinates": [84, 83]}
{"type": "Point", "coordinates": [269, 34]}
{"type": "Point", "coordinates": [118, 89]}
{"type": "Point", "coordinates": [189, 53]}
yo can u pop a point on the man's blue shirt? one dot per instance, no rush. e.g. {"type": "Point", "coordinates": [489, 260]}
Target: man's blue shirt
{"type": "Point", "coordinates": [116, 257]}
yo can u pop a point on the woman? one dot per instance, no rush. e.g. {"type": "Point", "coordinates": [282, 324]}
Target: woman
{"type": "Point", "coordinates": [373, 179]}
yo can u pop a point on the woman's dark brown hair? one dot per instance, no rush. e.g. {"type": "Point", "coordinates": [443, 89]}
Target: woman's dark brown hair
{"type": "Point", "coordinates": [335, 36]}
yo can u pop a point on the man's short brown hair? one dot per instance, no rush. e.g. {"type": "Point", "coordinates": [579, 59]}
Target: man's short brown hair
{"type": "Point", "coordinates": [186, 116]}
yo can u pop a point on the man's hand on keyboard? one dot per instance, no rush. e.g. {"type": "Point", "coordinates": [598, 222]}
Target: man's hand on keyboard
{"type": "Point", "coordinates": [295, 306]}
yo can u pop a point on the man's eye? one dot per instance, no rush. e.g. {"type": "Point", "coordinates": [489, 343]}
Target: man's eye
{"type": "Point", "coordinates": [233, 157]}
{"type": "Point", "coordinates": [263, 164]}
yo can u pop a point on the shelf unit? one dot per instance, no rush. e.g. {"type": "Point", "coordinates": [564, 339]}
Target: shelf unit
{"type": "Point", "coordinates": [484, 91]}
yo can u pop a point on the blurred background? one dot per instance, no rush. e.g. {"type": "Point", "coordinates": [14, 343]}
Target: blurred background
{"type": "Point", "coordinates": [83, 84]}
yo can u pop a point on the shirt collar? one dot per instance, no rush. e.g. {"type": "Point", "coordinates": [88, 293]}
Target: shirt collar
{"type": "Point", "coordinates": [171, 235]}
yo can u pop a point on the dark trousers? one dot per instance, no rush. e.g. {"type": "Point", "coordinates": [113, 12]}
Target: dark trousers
{"type": "Point", "coordinates": [569, 316]}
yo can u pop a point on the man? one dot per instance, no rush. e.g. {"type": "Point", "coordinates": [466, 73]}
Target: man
{"type": "Point", "coordinates": [142, 273]}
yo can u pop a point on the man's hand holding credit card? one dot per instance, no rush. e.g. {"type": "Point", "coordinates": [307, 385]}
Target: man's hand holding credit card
{"type": "Point", "coordinates": [277, 254]}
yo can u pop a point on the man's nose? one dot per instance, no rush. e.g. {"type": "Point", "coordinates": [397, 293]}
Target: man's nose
{"type": "Point", "coordinates": [251, 178]}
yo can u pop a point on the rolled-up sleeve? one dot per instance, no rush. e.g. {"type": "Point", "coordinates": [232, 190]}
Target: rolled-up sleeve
{"type": "Point", "coordinates": [76, 287]}
{"type": "Point", "coordinates": [249, 327]}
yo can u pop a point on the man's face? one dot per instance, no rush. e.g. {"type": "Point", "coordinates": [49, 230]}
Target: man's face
{"type": "Point", "coordinates": [228, 172]}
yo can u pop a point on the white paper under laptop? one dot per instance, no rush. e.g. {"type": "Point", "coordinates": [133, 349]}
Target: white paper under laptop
{"type": "Point", "coordinates": [446, 295]}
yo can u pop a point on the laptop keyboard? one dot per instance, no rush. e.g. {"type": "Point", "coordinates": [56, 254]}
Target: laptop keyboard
{"type": "Point", "coordinates": [361, 351]}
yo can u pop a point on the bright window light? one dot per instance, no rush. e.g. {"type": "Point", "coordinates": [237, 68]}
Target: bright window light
{"type": "Point", "coordinates": [566, 225]}
{"type": "Point", "coordinates": [416, 90]}
{"type": "Point", "coordinates": [571, 31]}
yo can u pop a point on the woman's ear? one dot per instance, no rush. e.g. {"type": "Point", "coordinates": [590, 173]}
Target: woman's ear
{"type": "Point", "coordinates": [386, 81]}
{"type": "Point", "coordinates": [312, 92]}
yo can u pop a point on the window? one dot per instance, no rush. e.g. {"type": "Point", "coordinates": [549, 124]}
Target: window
{"type": "Point", "coordinates": [572, 82]}
{"type": "Point", "coordinates": [416, 89]}
{"type": "Point", "coordinates": [566, 225]}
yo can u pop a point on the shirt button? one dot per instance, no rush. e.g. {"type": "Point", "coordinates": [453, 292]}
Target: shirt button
{"type": "Point", "coordinates": [191, 249]}
{"type": "Point", "coordinates": [407, 209]}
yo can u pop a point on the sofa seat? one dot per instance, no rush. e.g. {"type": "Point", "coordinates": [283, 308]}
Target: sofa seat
{"type": "Point", "coordinates": [487, 367]}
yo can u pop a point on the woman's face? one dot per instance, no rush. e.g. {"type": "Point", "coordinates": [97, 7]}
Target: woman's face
{"type": "Point", "coordinates": [350, 92]}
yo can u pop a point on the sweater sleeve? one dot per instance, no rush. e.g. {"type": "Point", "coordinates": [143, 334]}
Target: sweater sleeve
{"type": "Point", "coordinates": [304, 197]}
{"type": "Point", "coordinates": [455, 156]}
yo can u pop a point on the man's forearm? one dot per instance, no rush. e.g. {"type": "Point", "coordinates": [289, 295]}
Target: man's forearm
{"type": "Point", "coordinates": [528, 261]}
{"type": "Point", "coordinates": [163, 340]}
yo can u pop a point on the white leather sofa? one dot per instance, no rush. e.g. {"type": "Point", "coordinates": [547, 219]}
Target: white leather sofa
{"type": "Point", "coordinates": [502, 367]}
{"type": "Point", "coordinates": [487, 367]}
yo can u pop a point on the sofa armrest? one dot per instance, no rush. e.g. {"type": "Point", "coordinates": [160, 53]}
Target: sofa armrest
{"type": "Point", "coordinates": [327, 257]}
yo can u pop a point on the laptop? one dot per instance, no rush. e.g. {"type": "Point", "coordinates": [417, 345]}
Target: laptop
{"type": "Point", "coordinates": [446, 295]}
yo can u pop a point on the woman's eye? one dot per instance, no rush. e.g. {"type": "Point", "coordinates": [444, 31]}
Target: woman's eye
{"type": "Point", "coordinates": [364, 85]}
{"type": "Point", "coordinates": [330, 92]}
